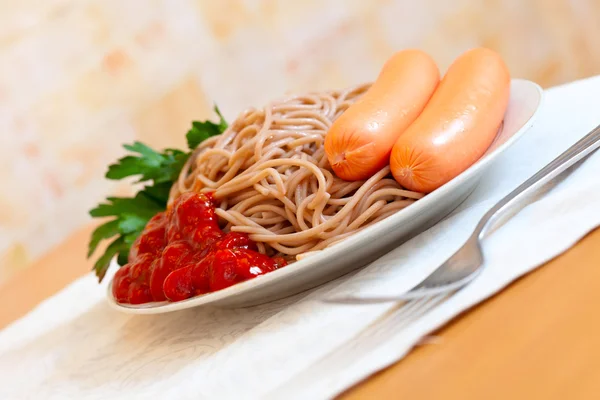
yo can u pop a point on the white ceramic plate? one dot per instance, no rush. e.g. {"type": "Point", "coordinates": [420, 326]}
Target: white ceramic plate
{"type": "Point", "coordinates": [374, 241]}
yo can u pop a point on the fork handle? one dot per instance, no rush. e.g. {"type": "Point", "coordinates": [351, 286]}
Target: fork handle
{"type": "Point", "coordinates": [518, 197]}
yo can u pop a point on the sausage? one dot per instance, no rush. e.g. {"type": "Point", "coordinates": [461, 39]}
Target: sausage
{"type": "Point", "coordinates": [458, 124]}
{"type": "Point", "coordinates": [359, 142]}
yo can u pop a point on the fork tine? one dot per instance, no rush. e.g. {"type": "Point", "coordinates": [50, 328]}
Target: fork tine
{"type": "Point", "coordinates": [353, 300]}
{"type": "Point", "coordinates": [410, 295]}
{"type": "Point", "coordinates": [419, 307]}
{"type": "Point", "coordinates": [366, 341]}
{"type": "Point", "coordinates": [425, 307]}
{"type": "Point", "coordinates": [401, 316]}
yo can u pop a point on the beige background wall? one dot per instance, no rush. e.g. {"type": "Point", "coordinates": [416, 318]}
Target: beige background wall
{"type": "Point", "coordinates": [78, 78]}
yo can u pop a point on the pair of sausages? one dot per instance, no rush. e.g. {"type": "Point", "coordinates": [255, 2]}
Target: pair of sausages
{"type": "Point", "coordinates": [428, 130]}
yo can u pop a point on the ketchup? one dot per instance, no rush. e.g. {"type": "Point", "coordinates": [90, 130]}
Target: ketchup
{"type": "Point", "coordinates": [183, 253]}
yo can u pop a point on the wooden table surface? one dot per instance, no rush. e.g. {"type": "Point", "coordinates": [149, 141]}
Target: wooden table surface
{"type": "Point", "coordinates": [538, 339]}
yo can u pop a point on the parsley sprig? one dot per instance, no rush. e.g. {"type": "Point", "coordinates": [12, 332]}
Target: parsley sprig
{"type": "Point", "coordinates": [158, 170]}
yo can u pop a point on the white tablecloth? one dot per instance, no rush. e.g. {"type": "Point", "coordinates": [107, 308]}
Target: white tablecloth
{"type": "Point", "coordinates": [74, 346]}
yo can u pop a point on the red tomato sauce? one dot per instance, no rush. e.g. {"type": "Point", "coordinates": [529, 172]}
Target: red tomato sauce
{"type": "Point", "coordinates": [183, 253]}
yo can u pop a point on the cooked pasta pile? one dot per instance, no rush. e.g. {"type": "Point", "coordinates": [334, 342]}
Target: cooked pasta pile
{"type": "Point", "coordinates": [273, 180]}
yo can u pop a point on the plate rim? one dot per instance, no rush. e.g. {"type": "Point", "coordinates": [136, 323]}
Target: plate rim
{"type": "Point", "coordinates": [298, 266]}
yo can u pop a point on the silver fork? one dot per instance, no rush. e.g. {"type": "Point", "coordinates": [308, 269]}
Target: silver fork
{"type": "Point", "coordinates": [454, 274]}
{"type": "Point", "coordinates": [464, 265]}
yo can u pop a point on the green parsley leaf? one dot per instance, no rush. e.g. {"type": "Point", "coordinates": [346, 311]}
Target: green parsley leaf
{"type": "Point", "coordinates": [150, 165]}
{"type": "Point", "coordinates": [101, 265]}
{"type": "Point", "coordinates": [131, 223]}
{"type": "Point", "coordinates": [141, 204]}
{"type": "Point", "coordinates": [159, 170]}
{"type": "Point", "coordinates": [123, 256]}
{"type": "Point", "coordinates": [160, 192]}
{"type": "Point", "coordinates": [104, 231]}
{"type": "Point", "coordinates": [203, 130]}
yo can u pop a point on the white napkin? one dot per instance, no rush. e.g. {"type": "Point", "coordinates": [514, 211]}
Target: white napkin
{"type": "Point", "coordinates": [74, 346]}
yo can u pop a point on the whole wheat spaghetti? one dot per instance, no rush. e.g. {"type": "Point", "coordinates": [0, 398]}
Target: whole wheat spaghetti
{"type": "Point", "coordinates": [273, 180]}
